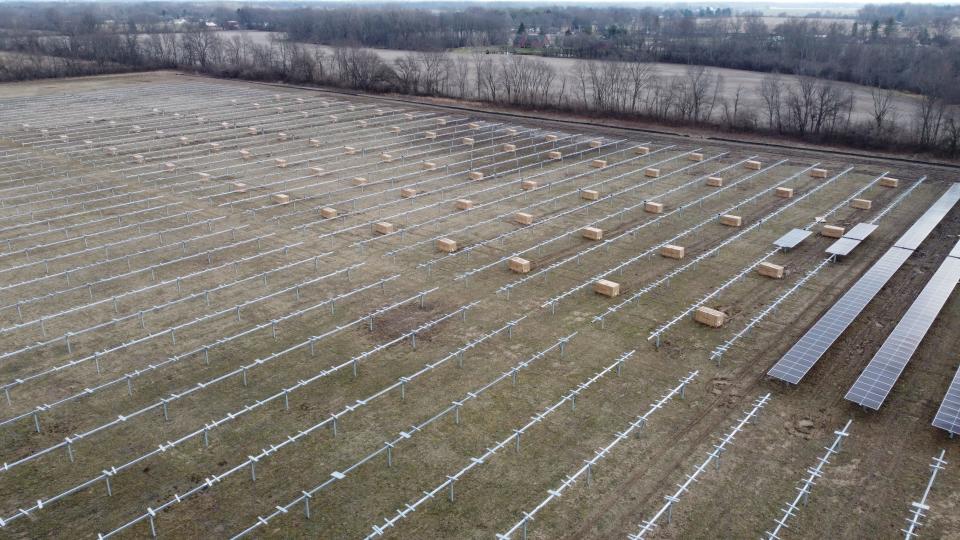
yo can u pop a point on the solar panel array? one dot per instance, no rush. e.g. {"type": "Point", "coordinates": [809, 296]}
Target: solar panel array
{"type": "Point", "coordinates": [955, 252]}
{"type": "Point", "coordinates": [922, 227]}
{"type": "Point", "coordinates": [843, 246]}
{"type": "Point", "coordinates": [851, 239]}
{"type": "Point", "coordinates": [808, 349]}
{"type": "Point", "coordinates": [860, 231]}
{"type": "Point", "coordinates": [875, 383]}
{"type": "Point", "coordinates": [792, 238]}
{"type": "Point", "coordinates": [948, 416]}
{"type": "Point", "coordinates": [797, 362]}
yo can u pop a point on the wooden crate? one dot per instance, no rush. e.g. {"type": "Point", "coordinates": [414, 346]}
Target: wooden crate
{"type": "Point", "coordinates": [518, 265]}
{"type": "Point", "coordinates": [138, 158]}
{"type": "Point", "coordinates": [239, 187]}
{"type": "Point", "coordinates": [528, 185]}
{"type": "Point", "coordinates": [606, 287]}
{"type": "Point", "coordinates": [317, 171]}
{"type": "Point", "coordinates": [886, 181]}
{"type": "Point", "coordinates": [696, 156]}
{"type": "Point", "coordinates": [832, 231]}
{"type": "Point", "coordinates": [441, 121]}
{"type": "Point", "coordinates": [328, 213]}
{"type": "Point", "coordinates": [641, 150]}
{"type": "Point", "coordinates": [818, 173]}
{"type": "Point", "coordinates": [251, 131]}
{"type": "Point", "coordinates": [428, 166]}
{"type": "Point", "coordinates": [446, 245]}
{"type": "Point", "coordinates": [384, 227]}
{"type": "Point", "coordinates": [386, 158]}
{"type": "Point", "coordinates": [469, 141]}
{"type": "Point", "coordinates": [731, 220]}
{"type": "Point", "coordinates": [554, 155]}
{"type": "Point", "coordinates": [511, 132]}
{"type": "Point", "coordinates": [280, 198]}
{"type": "Point", "coordinates": [652, 207]}
{"type": "Point", "coordinates": [281, 163]}
{"type": "Point", "coordinates": [316, 143]}
{"type": "Point", "coordinates": [170, 166]}
{"type": "Point", "coordinates": [463, 204]}
{"type": "Point", "coordinates": [551, 138]}
{"type": "Point", "coordinates": [709, 316]}
{"type": "Point", "coordinates": [598, 163]}
{"type": "Point", "coordinates": [245, 154]}
{"type": "Point", "coordinates": [589, 194]}
{"type": "Point", "coordinates": [475, 175]}
{"type": "Point", "coordinates": [523, 218]}
{"type": "Point", "coordinates": [753, 165]}
{"type": "Point", "coordinates": [215, 146]}
{"type": "Point", "coordinates": [282, 136]}
{"type": "Point", "coordinates": [672, 252]}
{"type": "Point", "coordinates": [203, 176]}
{"type": "Point", "coordinates": [784, 192]}
{"type": "Point", "coordinates": [473, 125]}
{"type": "Point", "coordinates": [394, 130]}
{"type": "Point", "coordinates": [715, 181]}
{"type": "Point", "coordinates": [652, 173]}
{"type": "Point", "coordinates": [595, 144]}
{"type": "Point", "coordinates": [430, 135]}
{"type": "Point", "coordinates": [861, 204]}
{"type": "Point", "coordinates": [349, 150]}
{"type": "Point", "coordinates": [770, 270]}
{"type": "Point", "coordinates": [406, 193]}
{"type": "Point", "coordinates": [359, 181]}
{"type": "Point", "coordinates": [592, 233]}
{"type": "Point", "coordinates": [509, 147]}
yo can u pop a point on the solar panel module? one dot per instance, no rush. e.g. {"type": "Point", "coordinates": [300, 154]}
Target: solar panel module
{"type": "Point", "coordinates": [875, 383]}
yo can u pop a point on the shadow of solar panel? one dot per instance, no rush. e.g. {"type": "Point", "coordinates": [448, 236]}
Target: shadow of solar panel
{"type": "Point", "coordinates": [808, 349]}
{"type": "Point", "coordinates": [875, 383]}
{"type": "Point", "coordinates": [922, 227]}
{"type": "Point", "coordinates": [792, 238]}
{"type": "Point", "coordinates": [948, 416]}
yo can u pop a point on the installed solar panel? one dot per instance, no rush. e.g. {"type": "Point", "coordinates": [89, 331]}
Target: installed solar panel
{"type": "Point", "coordinates": [948, 416]}
{"type": "Point", "coordinates": [792, 238]}
{"type": "Point", "coordinates": [860, 231]}
{"type": "Point", "coordinates": [843, 246]}
{"type": "Point", "coordinates": [922, 227]}
{"type": "Point", "coordinates": [808, 349]}
{"type": "Point", "coordinates": [874, 384]}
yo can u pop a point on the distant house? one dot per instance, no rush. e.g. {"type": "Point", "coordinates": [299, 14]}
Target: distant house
{"type": "Point", "coordinates": [532, 41]}
{"type": "Point", "coordinates": [210, 25]}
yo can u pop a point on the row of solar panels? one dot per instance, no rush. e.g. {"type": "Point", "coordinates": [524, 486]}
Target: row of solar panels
{"type": "Point", "coordinates": [948, 416]}
{"type": "Point", "coordinates": [843, 246]}
{"type": "Point", "coordinates": [874, 385]}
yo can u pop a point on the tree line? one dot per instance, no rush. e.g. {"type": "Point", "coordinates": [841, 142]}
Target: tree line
{"type": "Point", "coordinates": [806, 108]}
